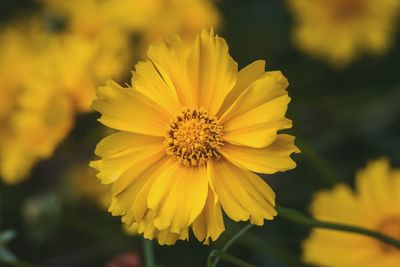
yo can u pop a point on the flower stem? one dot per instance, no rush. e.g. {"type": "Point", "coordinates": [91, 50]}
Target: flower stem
{"type": "Point", "coordinates": [18, 263]}
{"type": "Point", "coordinates": [318, 162]}
{"type": "Point", "coordinates": [298, 217]}
{"type": "Point", "coordinates": [148, 252]}
{"type": "Point", "coordinates": [228, 258]}
{"type": "Point", "coordinates": [226, 247]}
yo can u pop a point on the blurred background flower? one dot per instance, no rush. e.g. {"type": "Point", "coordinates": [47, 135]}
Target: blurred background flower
{"type": "Point", "coordinates": [339, 31]}
{"type": "Point", "coordinates": [51, 63]}
{"type": "Point", "coordinates": [375, 204]}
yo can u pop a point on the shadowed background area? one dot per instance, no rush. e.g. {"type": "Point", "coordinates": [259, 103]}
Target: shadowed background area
{"type": "Point", "coordinates": [343, 117]}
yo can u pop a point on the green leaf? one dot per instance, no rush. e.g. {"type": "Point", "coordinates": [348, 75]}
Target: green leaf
{"type": "Point", "coordinates": [6, 236]}
{"type": "Point", "coordinates": [6, 256]}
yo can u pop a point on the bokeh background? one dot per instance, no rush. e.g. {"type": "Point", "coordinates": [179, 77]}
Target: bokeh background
{"type": "Point", "coordinates": [343, 117]}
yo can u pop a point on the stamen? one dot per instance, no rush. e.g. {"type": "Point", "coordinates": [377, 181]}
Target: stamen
{"type": "Point", "coordinates": [194, 137]}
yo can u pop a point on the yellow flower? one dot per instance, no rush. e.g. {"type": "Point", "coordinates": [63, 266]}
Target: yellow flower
{"type": "Point", "coordinates": [35, 114]}
{"type": "Point", "coordinates": [373, 205]}
{"type": "Point", "coordinates": [41, 119]}
{"type": "Point", "coordinates": [81, 182]}
{"type": "Point", "coordinates": [340, 30]}
{"type": "Point", "coordinates": [150, 20]}
{"type": "Point", "coordinates": [94, 61]}
{"type": "Point", "coordinates": [183, 17]}
{"type": "Point", "coordinates": [192, 129]}
{"type": "Point", "coordinates": [93, 17]}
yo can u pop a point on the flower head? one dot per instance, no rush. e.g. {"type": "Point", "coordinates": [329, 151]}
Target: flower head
{"type": "Point", "coordinates": [339, 30]}
{"type": "Point", "coordinates": [373, 205]}
{"type": "Point", "coordinates": [35, 116]}
{"type": "Point", "coordinates": [192, 130]}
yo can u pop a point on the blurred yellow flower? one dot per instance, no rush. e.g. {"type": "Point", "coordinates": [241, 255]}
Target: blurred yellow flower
{"type": "Point", "coordinates": [48, 73]}
{"type": "Point", "coordinates": [150, 20]}
{"type": "Point", "coordinates": [340, 30]}
{"type": "Point", "coordinates": [94, 17]}
{"type": "Point", "coordinates": [373, 205]}
{"type": "Point", "coordinates": [81, 182]}
{"type": "Point", "coordinates": [34, 115]}
{"type": "Point", "coordinates": [76, 65]}
{"type": "Point", "coordinates": [192, 129]}
{"type": "Point", "coordinates": [41, 119]}
{"type": "Point", "coordinates": [183, 17]}
{"type": "Point", "coordinates": [46, 79]}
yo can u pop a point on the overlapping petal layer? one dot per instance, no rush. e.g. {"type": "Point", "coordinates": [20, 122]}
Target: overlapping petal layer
{"type": "Point", "coordinates": [198, 106]}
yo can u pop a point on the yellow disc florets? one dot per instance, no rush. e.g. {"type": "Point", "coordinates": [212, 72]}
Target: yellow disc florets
{"type": "Point", "coordinates": [194, 137]}
{"type": "Point", "coordinates": [342, 10]}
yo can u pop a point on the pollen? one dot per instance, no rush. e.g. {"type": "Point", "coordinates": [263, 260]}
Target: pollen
{"type": "Point", "coordinates": [194, 137]}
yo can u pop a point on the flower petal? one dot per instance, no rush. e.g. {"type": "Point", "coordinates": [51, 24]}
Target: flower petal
{"type": "Point", "coordinates": [323, 247]}
{"type": "Point", "coordinates": [210, 223]}
{"type": "Point", "coordinates": [169, 61]}
{"type": "Point", "coordinates": [374, 184]}
{"type": "Point", "coordinates": [212, 71]}
{"type": "Point", "coordinates": [129, 110]}
{"type": "Point", "coordinates": [339, 205]}
{"type": "Point", "coordinates": [147, 80]}
{"type": "Point", "coordinates": [259, 112]}
{"type": "Point", "coordinates": [165, 237]}
{"type": "Point", "coordinates": [178, 197]}
{"type": "Point", "coordinates": [128, 201]}
{"type": "Point", "coordinates": [122, 151]}
{"type": "Point", "coordinates": [243, 195]}
{"type": "Point", "coordinates": [245, 77]}
{"type": "Point", "coordinates": [270, 159]}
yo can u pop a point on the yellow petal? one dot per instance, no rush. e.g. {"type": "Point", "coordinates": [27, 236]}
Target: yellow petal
{"type": "Point", "coordinates": [128, 110]}
{"type": "Point", "coordinates": [243, 195]}
{"type": "Point", "coordinates": [270, 159]}
{"type": "Point", "coordinates": [165, 237]}
{"type": "Point", "coordinates": [338, 205]}
{"type": "Point", "coordinates": [140, 205]}
{"type": "Point", "coordinates": [147, 80]}
{"type": "Point", "coordinates": [121, 142]}
{"type": "Point", "coordinates": [375, 186]}
{"type": "Point", "coordinates": [178, 197]}
{"type": "Point", "coordinates": [169, 61]}
{"type": "Point", "coordinates": [259, 112]}
{"type": "Point", "coordinates": [143, 152]}
{"type": "Point", "coordinates": [212, 71]}
{"type": "Point", "coordinates": [331, 248]}
{"type": "Point", "coordinates": [128, 202]}
{"type": "Point", "coordinates": [210, 223]}
{"type": "Point", "coordinates": [245, 77]}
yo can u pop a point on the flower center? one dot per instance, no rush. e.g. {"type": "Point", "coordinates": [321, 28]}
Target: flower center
{"type": "Point", "coordinates": [341, 10]}
{"type": "Point", "coordinates": [390, 227]}
{"type": "Point", "coordinates": [194, 137]}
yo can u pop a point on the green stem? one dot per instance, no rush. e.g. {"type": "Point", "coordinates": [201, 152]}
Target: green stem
{"type": "Point", "coordinates": [148, 252]}
{"type": "Point", "coordinates": [25, 264]}
{"type": "Point", "coordinates": [298, 217]}
{"type": "Point", "coordinates": [229, 258]}
{"type": "Point", "coordinates": [19, 263]}
{"type": "Point", "coordinates": [318, 162]}
{"type": "Point", "coordinates": [227, 246]}
{"type": "Point", "coordinates": [236, 237]}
